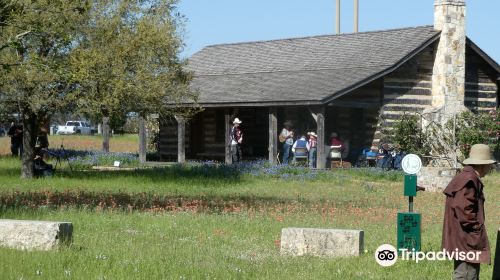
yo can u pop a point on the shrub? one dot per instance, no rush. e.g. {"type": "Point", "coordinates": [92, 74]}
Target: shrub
{"type": "Point", "coordinates": [483, 128]}
{"type": "Point", "coordinates": [410, 136]}
{"type": "Point", "coordinates": [469, 129]}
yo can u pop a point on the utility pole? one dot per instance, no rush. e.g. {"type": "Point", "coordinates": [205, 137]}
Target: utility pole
{"type": "Point", "coordinates": [356, 15]}
{"type": "Point", "coordinates": [338, 17]}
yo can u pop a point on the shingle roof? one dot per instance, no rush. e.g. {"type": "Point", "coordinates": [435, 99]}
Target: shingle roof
{"type": "Point", "coordinates": [311, 69]}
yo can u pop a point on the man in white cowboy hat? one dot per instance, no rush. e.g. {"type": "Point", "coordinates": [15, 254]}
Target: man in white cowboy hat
{"type": "Point", "coordinates": [312, 145]}
{"type": "Point", "coordinates": [236, 141]}
{"type": "Point", "coordinates": [464, 230]}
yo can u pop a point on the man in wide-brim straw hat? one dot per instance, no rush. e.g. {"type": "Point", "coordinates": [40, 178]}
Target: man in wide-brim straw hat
{"type": "Point", "coordinates": [464, 230]}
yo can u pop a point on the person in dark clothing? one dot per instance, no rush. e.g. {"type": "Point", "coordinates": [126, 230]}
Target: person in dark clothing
{"type": "Point", "coordinates": [41, 168]}
{"type": "Point", "coordinates": [16, 139]}
{"type": "Point", "coordinates": [464, 227]}
{"type": "Point", "coordinates": [42, 139]}
{"type": "Point", "coordinates": [236, 141]}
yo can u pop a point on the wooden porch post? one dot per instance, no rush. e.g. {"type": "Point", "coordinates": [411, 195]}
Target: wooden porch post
{"type": "Point", "coordinates": [273, 135]}
{"type": "Point", "coordinates": [142, 140]}
{"type": "Point", "coordinates": [320, 126]}
{"type": "Point", "coordinates": [181, 139]}
{"type": "Point", "coordinates": [227, 138]}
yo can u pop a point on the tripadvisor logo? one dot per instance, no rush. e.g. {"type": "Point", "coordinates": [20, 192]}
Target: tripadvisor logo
{"type": "Point", "coordinates": [387, 255]}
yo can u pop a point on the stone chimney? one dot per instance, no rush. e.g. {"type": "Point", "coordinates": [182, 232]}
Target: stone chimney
{"type": "Point", "coordinates": [448, 78]}
{"type": "Point", "coordinates": [448, 89]}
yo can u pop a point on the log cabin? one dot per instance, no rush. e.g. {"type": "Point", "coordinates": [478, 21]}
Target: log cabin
{"type": "Point", "coordinates": [355, 84]}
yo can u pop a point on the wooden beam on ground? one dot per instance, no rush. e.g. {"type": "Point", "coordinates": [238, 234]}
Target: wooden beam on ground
{"type": "Point", "coordinates": [227, 138]}
{"type": "Point", "coordinates": [273, 135]}
{"type": "Point", "coordinates": [181, 139]}
{"type": "Point", "coordinates": [320, 130]}
{"type": "Point", "coordinates": [142, 140]}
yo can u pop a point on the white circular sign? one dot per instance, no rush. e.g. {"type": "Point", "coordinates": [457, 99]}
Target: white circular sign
{"type": "Point", "coordinates": [411, 164]}
{"type": "Point", "coordinates": [386, 255]}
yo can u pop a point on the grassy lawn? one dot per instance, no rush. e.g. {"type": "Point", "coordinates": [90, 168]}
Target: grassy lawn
{"type": "Point", "coordinates": [241, 242]}
{"type": "Point", "coordinates": [118, 143]}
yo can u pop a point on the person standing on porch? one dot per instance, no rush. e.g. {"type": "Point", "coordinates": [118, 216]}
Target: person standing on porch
{"type": "Point", "coordinates": [286, 137]}
{"type": "Point", "coordinates": [236, 141]}
{"type": "Point", "coordinates": [312, 145]}
{"type": "Point", "coordinates": [464, 227]}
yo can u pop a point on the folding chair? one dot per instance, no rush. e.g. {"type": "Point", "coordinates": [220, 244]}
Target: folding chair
{"type": "Point", "coordinates": [336, 155]}
{"type": "Point", "coordinates": [301, 154]}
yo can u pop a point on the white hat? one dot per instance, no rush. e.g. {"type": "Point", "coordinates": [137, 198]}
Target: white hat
{"type": "Point", "coordinates": [479, 154]}
{"type": "Point", "coordinates": [237, 121]}
{"type": "Point", "coordinates": [312, 133]}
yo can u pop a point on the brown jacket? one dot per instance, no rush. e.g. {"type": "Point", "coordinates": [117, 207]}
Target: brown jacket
{"type": "Point", "coordinates": [463, 226]}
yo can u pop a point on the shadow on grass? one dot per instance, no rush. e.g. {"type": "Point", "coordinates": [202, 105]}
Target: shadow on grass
{"type": "Point", "coordinates": [204, 172]}
{"type": "Point", "coordinates": [153, 202]}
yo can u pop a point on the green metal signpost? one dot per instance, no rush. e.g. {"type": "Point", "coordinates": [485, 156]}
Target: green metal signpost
{"type": "Point", "coordinates": [409, 223]}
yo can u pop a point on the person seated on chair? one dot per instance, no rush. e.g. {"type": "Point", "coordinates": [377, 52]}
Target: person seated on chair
{"type": "Point", "coordinates": [337, 146]}
{"type": "Point", "coordinates": [41, 168]}
{"type": "Point", "coordinates": [335, 140]}
{"type": "Point", "coordinates": [299, 148]}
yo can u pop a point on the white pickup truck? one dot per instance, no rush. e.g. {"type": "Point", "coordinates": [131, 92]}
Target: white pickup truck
{"type": "Point", "coordinates": [75, 127]}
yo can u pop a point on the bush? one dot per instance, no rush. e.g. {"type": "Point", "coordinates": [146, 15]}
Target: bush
{"type": "Point", "coordinates": [410, 136]}
{"type": "Point", "coordinates": [483, 128]}
{"type": "Point", "coordinates": [470, 129]}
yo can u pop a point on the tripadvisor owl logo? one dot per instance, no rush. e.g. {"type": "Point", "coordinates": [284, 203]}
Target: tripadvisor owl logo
{"type": "Point", "coordinates": [386, 255]}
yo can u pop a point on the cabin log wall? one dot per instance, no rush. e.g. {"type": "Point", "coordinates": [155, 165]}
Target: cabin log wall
{"type": "Point", "coordinates": [481, 89]}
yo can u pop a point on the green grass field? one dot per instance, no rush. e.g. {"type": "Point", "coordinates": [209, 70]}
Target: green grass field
{"type": "Point", "coordinates": [235, 243]}
{"type": "Point", "coordinates": [117, 143]}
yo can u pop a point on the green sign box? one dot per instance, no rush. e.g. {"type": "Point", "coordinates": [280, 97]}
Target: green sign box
{"type": "Point", "coordinates": [409, 229]}
{"type": "Point", "coordinates": [410, 185]}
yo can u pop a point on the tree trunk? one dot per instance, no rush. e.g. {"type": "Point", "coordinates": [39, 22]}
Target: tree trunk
{"type": "Point", "coordinates": [142, 140]}
{"type": "Point", "coordinates": [30, 131]}
{"type": "Point", "coordinates": [105, 134]}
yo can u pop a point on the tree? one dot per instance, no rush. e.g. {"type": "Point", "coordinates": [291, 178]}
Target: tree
{"type": "Point", "coordinates": [36, 83]}
{"type": "Point", "coordinates": [128, 61]}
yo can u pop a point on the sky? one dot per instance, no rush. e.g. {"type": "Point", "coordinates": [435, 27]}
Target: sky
{"type": "Point", "coordinates": [212, 22]}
